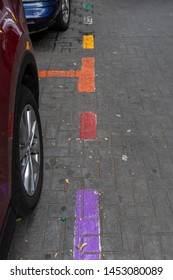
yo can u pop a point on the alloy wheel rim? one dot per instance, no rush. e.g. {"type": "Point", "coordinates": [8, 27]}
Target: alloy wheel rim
{"type": "Point", "coordinates": [29, 150]}
{"type": "Point", "coordinates": [65, 10]}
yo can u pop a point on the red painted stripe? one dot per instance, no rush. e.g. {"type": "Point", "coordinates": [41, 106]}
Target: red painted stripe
{"type": "Point", "coordinates": [88, 124]}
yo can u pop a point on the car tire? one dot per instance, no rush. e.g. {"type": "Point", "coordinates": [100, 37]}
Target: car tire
{"type": "Point", "coordinates": [63, 18]}
{"type": "Point", "coordinates": [27, 154]}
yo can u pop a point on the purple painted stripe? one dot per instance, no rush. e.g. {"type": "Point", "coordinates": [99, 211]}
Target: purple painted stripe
{"type": "Point", "coordinates": [87, 226]}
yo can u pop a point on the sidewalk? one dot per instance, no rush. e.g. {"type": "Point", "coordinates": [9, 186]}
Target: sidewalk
{"type": "Point", "coordinates": [130, 163]}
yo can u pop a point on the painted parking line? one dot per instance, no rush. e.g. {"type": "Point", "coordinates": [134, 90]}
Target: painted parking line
{"type": "Point", "coordinates": [56, 73]}
{"type": "Point", "coordinates": [86, 76]}
{"type": "Point", "coordinates": [88, 20]}
{"type": "Point", "coordinates": [87, 6]}
{"type": "Point", "coordinates": [87, 226]}
{"type": "Point", "coordinates": [88, 126]}
{"type": "Point", "coordinates": [88, 42]}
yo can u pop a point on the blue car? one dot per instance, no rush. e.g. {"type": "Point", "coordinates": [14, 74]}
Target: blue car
{"type": "Point", "coordinates": [43, 14]}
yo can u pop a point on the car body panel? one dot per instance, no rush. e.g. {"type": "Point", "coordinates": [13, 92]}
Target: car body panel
{"type": "Point", "coordinates": [9, 39]}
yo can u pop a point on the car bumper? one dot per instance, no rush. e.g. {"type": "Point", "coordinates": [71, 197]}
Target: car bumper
{"type": "Point", "coordinates": [40, 15]}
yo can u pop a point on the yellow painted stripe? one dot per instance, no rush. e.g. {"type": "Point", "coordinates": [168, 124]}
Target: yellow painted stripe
{"type": "Point", "coordinates": [88, 42]}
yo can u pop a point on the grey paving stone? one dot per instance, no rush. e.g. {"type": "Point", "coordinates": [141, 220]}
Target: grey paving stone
{"type": "Point", "coordinates": [53, 235]}
{"type": "Point", "coordinates": [130, 235]}
{"type": "Point", "coordinates": [111, 243]}
{"type": "Point", "coordinates": [109, 224]}
{"type": "Point", "coordinates": [123, 256]}
{"type": "Point", "coordinates": [35, 221]}
{"type": "Point", "coordinates": [167, 243]}
{"type": "Point", "coordinates": [161, 203]}
{"type": "Point", "coordinates": [101, 184]}
{"type": "Point", "coordinates": [142, 196]}
{"type": "Point", "coordinates": [140, 184]}
{"type": "Point", "coordinates": [106, 167]}
{"type": "Point", "coordinates": [132, 210]}
{"type": "Point", "coordinates": [152, 247]}
{"type": "Point", "coordinates": [68, 247]}
{"type": "Point", "coordinates": [156, 225]}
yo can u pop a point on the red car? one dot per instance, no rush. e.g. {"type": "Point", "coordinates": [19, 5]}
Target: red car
{"type": "Point", "coordinates": [21, 148]}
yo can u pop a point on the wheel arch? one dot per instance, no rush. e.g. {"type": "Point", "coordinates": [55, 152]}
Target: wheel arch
{"type": "Point", "coordinates": [28, 76]}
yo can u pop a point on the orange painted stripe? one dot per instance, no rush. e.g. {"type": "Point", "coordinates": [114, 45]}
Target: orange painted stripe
{"type": "Point", "coordinates": [42, 74]}
{"type": "Point", "coordinates": [86, 81]}
{"type": "Point", "coordinates": [54, 73]}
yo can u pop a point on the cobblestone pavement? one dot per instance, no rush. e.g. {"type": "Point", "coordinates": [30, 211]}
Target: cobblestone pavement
{"type": "Point", "coordinates": [130, 164]}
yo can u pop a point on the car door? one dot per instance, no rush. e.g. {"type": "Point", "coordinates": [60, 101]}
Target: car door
{"type": "Point", "coordinates": [8, 42]}
{"type": "Point", "coordinates": [4, 190]}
